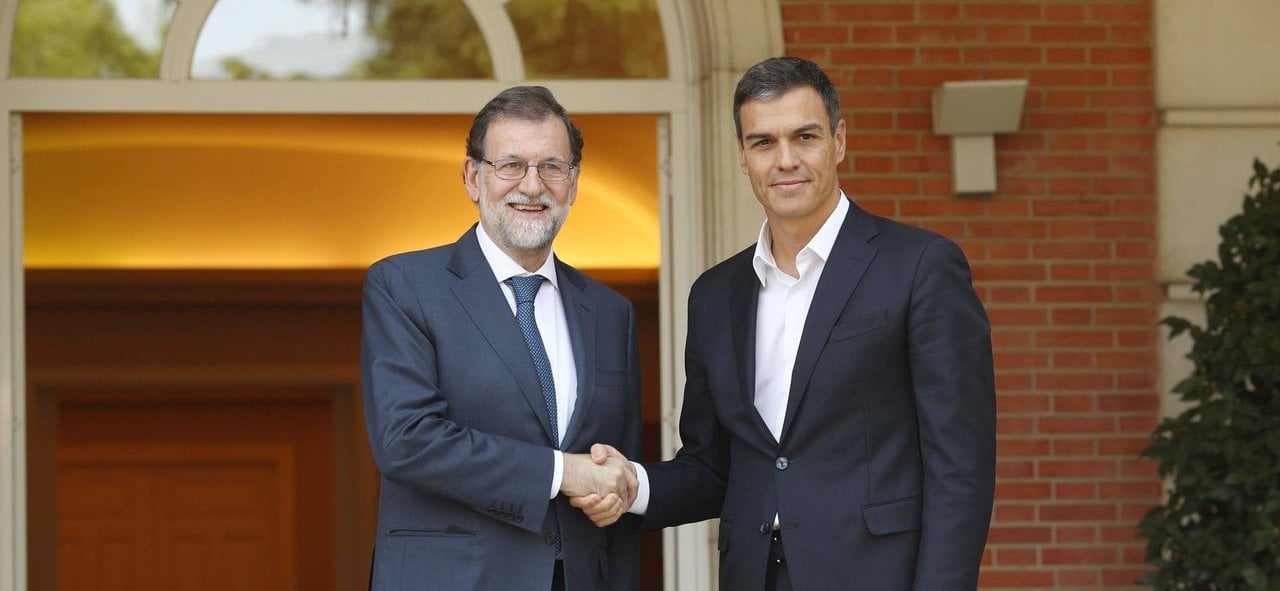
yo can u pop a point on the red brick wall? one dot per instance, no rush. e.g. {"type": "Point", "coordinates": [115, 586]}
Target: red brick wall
{"type": "Point", "coordinates": [1063, 254]}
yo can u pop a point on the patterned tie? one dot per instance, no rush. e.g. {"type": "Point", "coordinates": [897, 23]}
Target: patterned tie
{"type": "Point", "coordinates": [526, 289]}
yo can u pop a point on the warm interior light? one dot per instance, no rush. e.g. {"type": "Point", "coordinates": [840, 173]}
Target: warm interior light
{"type": "Point", "coordinates": [301, 191]}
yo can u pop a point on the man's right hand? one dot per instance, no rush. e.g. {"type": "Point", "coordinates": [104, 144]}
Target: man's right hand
{"type": "Point", "coordinates": [606, 508]}
{"type": "Point", "coordinates": [603, 473]}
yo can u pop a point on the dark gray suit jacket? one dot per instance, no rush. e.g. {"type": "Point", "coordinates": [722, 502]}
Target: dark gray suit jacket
{"type": "Point", "coordinates": [884, 476]}
{"type": "Point", "coordinates": [461, 435]}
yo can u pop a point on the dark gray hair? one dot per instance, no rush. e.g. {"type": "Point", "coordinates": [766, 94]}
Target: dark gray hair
{"type": "Point", "coordinates": [529, 103]}
{"type": "Point", "coordinates": [775, 77]}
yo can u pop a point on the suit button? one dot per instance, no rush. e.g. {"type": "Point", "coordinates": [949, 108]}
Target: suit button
{"type": "Point", "coordinates": [549, 538]}
{"type": "Point", "coordinates": [765, 528]}
{"type": "Point", "coordinates": [781, 463]}
{"type": "Point", "coordinates": [518, 517]}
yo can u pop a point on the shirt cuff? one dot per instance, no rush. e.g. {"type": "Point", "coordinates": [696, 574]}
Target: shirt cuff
{"type": "Point", "coordinates": [557, 474]}
{"type": "Point", "coordinates": [642, 491]}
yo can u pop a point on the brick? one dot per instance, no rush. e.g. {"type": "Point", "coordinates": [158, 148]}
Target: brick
{"type": "Point", "coordinates": [1023, 491]}
{"type": "Point", "coordinates": [883, 186]}
{"type": "Point", "coordinates": [1125, 99]}
{"type": "Point", "coordinates": [1002, 12]}
{"type": "Point", "coordinates": [1007, 250]}
{"type": "Point", "coordinates": [1068, 100]}
{"type": "Point", "coordinates": [1051, 77]}
{"type": "Point", "coordinates": [1005, 34]}
{"type": "Point", "coordinates": [1003, 55]}
{"type": "Point", "coordinates": [1006, 448]}
{"type": "Point", "coordinates": [1137, 381]}
{"type": "Point", "coordinates": [1070, 273]}
{"type": "Point", "coordinates": [1126, 359]}
{"type": "Point", "coordinates": [1072, 207]}
{"type": "Point", "coordinates": [1074, 491]}
{"type": "Point", "coordinates": [1120, 12]}
{"type": "Point", "coordinates": [864, 121]}
{"type": "Point", "coordinates": [1014, 470]}
{"type": "Point", "coordinates": [1139, 293]}
{"type": "Point", "coordinates": [1135, 250]}
{"type": "Point", "coordinates": [1122, 446]}
{"type": "Point", "coordinates": [1020, 360]}
{"type": "Point", "coordinates": [938, 34]}
{"type": "Point", "coordinates": [1114, 229]}
{"type": "Point", "coordinates": [864, 78]}
{"type": "Point", "coordinates": [803, 12]}
{"type": "Point", "coordinates": [1077, 556]}
{"type": "Point", "coordinates": [1119, 55]}
{"type": "Point", "coordinates": [1134, 207]}
{"type": "Point", "coordinates": [914, 121]}
{"type": "Point", "coordinates": [879, 100]}
{"type": "Point", "coordinates": [1089, 512]}
{"type": "Point", "coordinates": [872, 12]}
{"type": "Point", "coordinates": [989, 579]}
{"type": "Point", "coordinates": [935, 56]}
{"type": "Point", "coordinates": [1075, 426]}
{"type": "Point", "coordinates": [1064, 448]}
{"type": "Point", "coordinates": [882, 56]}
{"type": "Point", "coordinates": [873, 164]}
{"type": "Point", "coordinates": [931, 12]}
{"type": "Point", "coordinates": [1064, 12]}
{"type": "Point", "coordinates": [1007, 208]}
{"type": "Point", "coordinates": [1015, 557]}
{"type": "Point", "coordinates": [1124, 576]}
{"type": "Point", "coordinates": [1008, 273]}
{"type": "Point", "coordinates": [1017, 316]}
{"type": "Point", "coordinates": [1072, 121]}
{"type": "Point", "coordinates": [1072, 316]}
{"type": "Point", "coordinates": [1129, 490]}
{"type": "Point", "coordinates": [882, 142]}
{"type": "Point", "coordinates": [1068, 34]}
{"type": "Point", "coordinates": [1063, 56]}
{"type": "Point", "coordinates": [1070, 229]}
{"type": "Point", "coordinates": [1079, 578]}
{"type": "Point", "coordinates": [1141, 77]}
{"type": "Point", "coordinates": [1011, 512]}
{"type": "Point", "coordinates": [1125, 316]}
{"type": "Point", "coordinates": [1008, 229]}
{"type": "Point", "coordinates": [1072, 360]}
{"type": "Point", "coordinates": [1028, 142]}
{"type": "Point", "coordinates": [935, 77]}
{"type": "Point", "coordinates": [1074, 338]}
{"type": "Point", "coordinates": [1072, 250]}
{"type": "Point", "coordinates": [1064, 403]}
{"type": "Point", "coordinates": [936, 164]}
{"type": "Point", "coordinates": [1144, 165]}
{"type": "Point", "coordinates": [1122, 534]}
{"type": "Point", "coordinates": [810, 34]}
{"type": "Point", "coordinates": [872, 34]}
{"type": "Point", "coordinates": [1145, 403]}
{"type": "Point", "coordinates": [1081, 293]}
{"type": "Point", "coordinates": [1138, 120]}
{"type": "Point", "coordinates": [1109, 142]}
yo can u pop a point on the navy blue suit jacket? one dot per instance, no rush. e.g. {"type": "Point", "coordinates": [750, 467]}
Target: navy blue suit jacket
{"type": "Point", "coordinates": [461, 435]}
{"type": "Point", "coordinates": [884, 476]}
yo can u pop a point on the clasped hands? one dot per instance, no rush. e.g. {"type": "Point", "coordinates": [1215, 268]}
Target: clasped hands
{"type": "Point", "coordinates": [603, 483]}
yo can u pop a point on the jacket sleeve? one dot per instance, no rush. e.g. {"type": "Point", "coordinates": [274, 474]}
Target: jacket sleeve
{"type": "Point", "coordinates": [691, 486]}
{"type": "Point", "coordinates": [413, 441]}
{"type": "Point", "coordinates": [949, 348]}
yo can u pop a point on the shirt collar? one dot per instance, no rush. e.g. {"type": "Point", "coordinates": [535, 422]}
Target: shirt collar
{"type": "Point", "coordinates": [504, 267]}
{"type": "Point", "coordinates": [821, 243]}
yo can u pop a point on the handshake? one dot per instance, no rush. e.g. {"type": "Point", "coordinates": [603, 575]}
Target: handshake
{"type": "Point", "coordinates": [602, 484]}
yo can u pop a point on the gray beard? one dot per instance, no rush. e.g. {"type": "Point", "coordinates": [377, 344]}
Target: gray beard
{"type": "Point", "coordinates": [516, 234]}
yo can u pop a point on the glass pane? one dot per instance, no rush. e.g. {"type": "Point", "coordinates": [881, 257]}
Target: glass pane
{"type": "Point", "coordinates": [340, 39]}
{"type": "Point", "coordinates": [589, 38]}
{"type": "Point", "coordinates": [89, 38]}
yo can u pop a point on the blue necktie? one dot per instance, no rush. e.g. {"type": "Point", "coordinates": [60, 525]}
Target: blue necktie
{"type": "Point", "coordinates": [526, 289]}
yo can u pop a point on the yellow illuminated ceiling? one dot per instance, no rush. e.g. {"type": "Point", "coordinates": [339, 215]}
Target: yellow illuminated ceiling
{"type": "Point", "coordinates": [301, 191]}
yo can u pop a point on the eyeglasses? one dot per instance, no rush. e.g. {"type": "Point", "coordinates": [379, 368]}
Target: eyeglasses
{"type": "Point", "coordinates": [514, 170]}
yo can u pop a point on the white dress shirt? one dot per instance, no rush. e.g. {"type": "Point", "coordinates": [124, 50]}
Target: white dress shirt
{"type": "Point", "coordinates": [781, 309]}
{"type": "Point", "coordinates": [548, 311]}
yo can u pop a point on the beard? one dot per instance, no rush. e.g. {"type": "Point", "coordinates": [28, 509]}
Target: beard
{"type": "Point", "coordinates": [511, 231]}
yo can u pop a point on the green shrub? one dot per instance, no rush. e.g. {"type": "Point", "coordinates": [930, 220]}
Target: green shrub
{"type": "Point", "coordinates": [1219, 530]}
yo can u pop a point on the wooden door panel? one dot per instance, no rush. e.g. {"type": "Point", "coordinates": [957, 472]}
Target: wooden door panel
{"type": "Point", "coordinates": [176, 518]}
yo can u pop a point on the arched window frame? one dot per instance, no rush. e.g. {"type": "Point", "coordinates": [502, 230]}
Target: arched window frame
{"type": "Point", "coordinates": [705, 206]}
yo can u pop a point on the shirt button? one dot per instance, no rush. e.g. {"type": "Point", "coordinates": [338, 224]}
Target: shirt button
{"type": "Point", "coordinates": [550, 538]}
{"type": "Point", "coordinates": [781, 463]}
{"type": "Point", "coordinates": [765, 528]}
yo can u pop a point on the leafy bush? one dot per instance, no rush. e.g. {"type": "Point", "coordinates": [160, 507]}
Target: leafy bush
{"type": "Point", "coordinates": [1219, 530]}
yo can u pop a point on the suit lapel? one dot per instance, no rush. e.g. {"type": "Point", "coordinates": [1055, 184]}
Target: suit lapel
{"type": "Point", "coordinates": [850, 257]}
{"type": "Point", "coordinates": [481, 297]}
{"type": "Point", "coordinates": [581, 320]}
{"type": "Point", "coordinates": [745, 293]}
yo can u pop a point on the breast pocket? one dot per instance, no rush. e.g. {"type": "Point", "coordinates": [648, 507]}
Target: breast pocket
{"type": "Point", "coordinates": [859, 325]}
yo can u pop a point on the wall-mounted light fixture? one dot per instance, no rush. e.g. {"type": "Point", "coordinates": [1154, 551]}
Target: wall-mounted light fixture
{"type": "Point", "coordinates": [971, 112]}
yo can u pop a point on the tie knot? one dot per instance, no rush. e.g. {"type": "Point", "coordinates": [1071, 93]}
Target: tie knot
{"type": "Point", "coordinates": [525, 288]}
